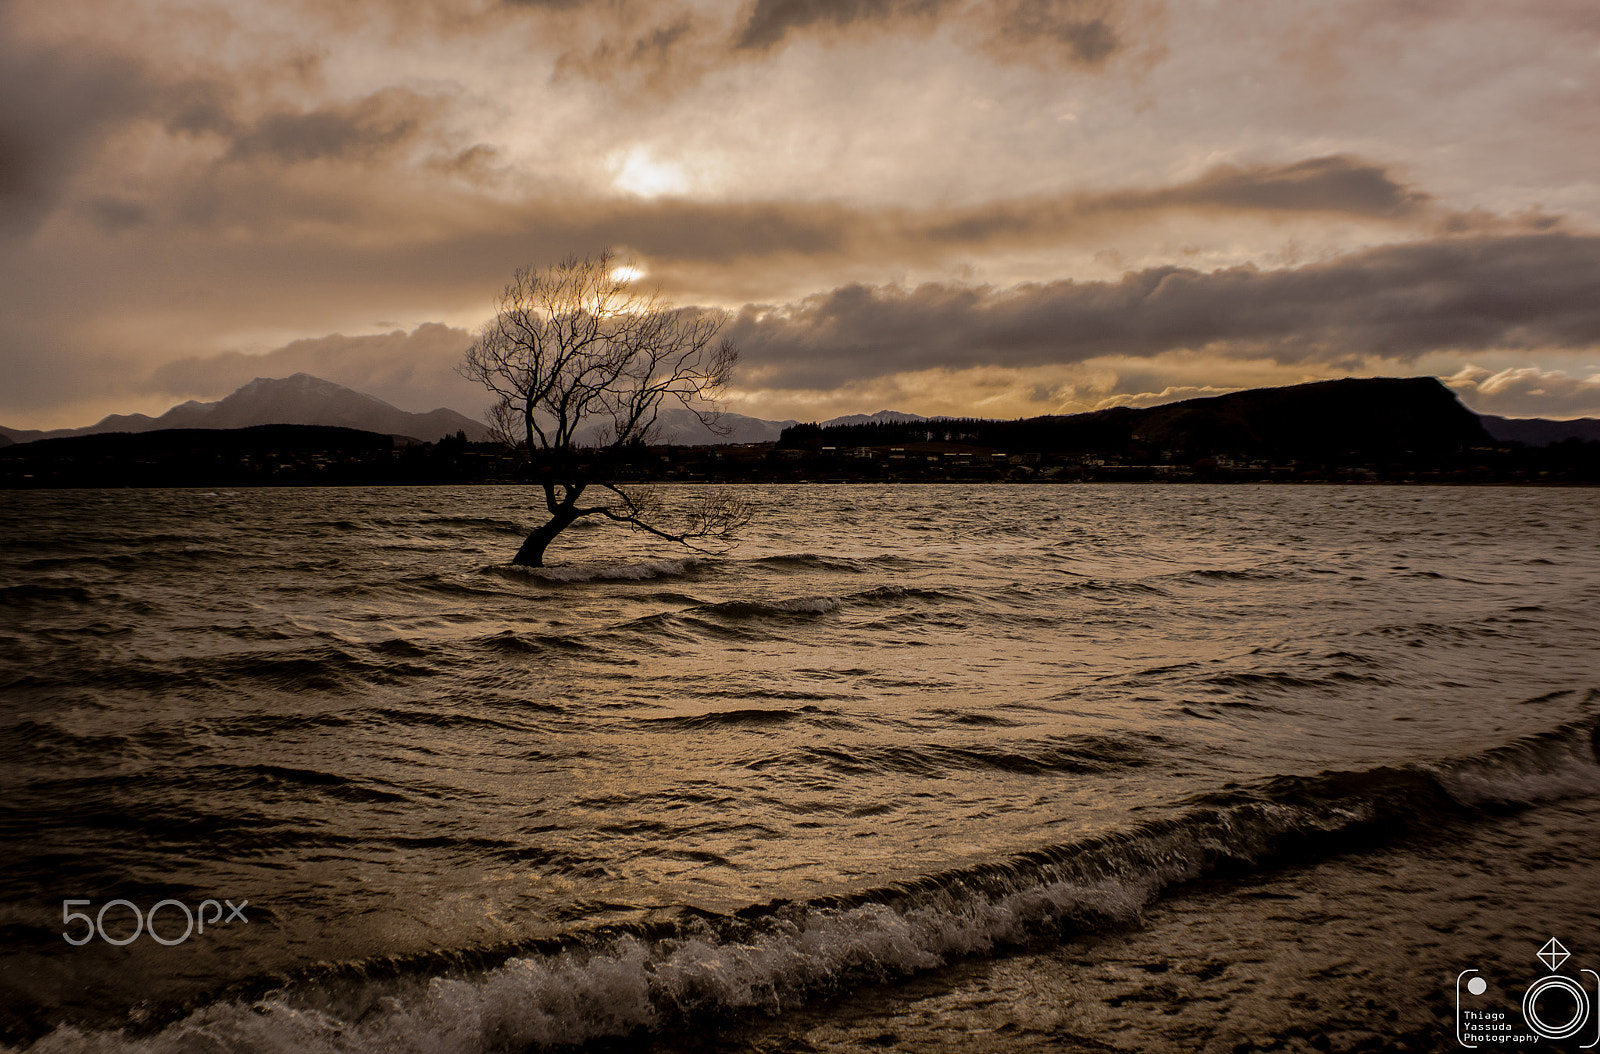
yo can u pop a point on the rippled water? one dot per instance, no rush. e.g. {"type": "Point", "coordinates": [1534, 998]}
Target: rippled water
{"type": "Point", "coordinates": [897, 733]}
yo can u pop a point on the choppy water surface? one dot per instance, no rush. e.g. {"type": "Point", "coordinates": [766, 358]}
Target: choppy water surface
{"type": "Point", "coordinates": [899, 732]}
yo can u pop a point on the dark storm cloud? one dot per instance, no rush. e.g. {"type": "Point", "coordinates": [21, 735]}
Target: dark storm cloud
{"type": "Point", "coordinates": [350, 130]}
{"type": "Point", "coordinates": [1335, 184]}
{"type": "Point", "coordinates": [772, 20]}
{"type": "Point", "coordinates": [203, 114]}
{"type": "Point", "coordinates": [54, 106]}
{"type": "Point", "coordinates": [1338, 184]}
{"type": "Point", "coordinates": [117, 214]}
{"type": "Point", "coordinates": [648, 58]}
{"type": "Point", "coordinates": [1398, 302]}
{"type": "Point", "coordinates": [1079, 30]}
{"type": "Point", "coordinates": [59, 110]}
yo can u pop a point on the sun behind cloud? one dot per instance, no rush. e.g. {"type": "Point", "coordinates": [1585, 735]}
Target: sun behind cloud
{"type": "Point", "coordinates": [639, 172]}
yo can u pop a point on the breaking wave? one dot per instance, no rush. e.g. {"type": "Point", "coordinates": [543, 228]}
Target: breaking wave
{"type": "Point", "coordinates": [702, 967]}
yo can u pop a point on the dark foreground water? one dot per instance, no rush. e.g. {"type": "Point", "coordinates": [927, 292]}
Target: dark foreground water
{"type": "Point", "coordinates": [916, 768]}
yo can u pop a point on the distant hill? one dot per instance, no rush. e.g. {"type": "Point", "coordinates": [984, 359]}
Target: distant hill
{"type": "Point", "coordinates": [882, 417]}
{"type": "Point", "coordinates": [298, 400]}
{"type": "Point", "coordinates": [1373, 417]}
{"type": "Point", "coordinates": [181, 457]}
{"type": "Point", "coordinates": [680, 427]}
{"type": "Point", "coordinates": [255, 439]}
{"type": "Point", "coordinates": [1536, 431]}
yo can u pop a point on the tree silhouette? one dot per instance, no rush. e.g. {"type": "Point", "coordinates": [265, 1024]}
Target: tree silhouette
{"type": "Point", "coordinates": [582, 363]}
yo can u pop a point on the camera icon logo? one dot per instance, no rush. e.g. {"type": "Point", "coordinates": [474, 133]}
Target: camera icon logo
{"type": "Point", "coordinates": [1556, 1006]}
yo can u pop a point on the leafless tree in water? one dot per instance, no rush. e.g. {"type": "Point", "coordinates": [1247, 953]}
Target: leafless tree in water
{"type": "Point", "coordinates": [582, 362]}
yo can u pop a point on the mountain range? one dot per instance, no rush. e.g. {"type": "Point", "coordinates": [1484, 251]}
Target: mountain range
{"type": "Point", "coordinates": [298, 400]}
{"type": "Point", "coordinates": [306, 400]}
{"type": "Point", "coordinates": [1536, 431]}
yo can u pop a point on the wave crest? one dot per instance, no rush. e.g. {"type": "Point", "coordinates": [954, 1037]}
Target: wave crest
{"type": "Point", "coordinates": [674, 974]}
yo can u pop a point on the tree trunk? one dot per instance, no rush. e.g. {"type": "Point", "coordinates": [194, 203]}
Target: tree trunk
{"type": "Point", "coordinates": [532, 552]}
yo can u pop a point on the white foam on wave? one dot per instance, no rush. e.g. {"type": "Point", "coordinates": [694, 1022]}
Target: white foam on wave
{"type": "Point", "coordinates": [1528, 773]}
{"type": "Point", "coordinates": [546, 1001]}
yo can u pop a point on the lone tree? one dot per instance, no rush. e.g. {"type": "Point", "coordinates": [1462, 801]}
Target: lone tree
{"type": "Point", "coordinates": [583, 363]}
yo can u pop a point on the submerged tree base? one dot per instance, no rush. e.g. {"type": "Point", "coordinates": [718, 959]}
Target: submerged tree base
{"type": "Point", "coordinates": [532, 552]}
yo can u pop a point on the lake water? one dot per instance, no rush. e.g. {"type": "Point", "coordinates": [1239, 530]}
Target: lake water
{"type": "Point", "coordinates": [915, 767]}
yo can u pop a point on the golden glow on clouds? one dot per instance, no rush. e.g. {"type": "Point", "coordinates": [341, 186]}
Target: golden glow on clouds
{"type": "Point", "coordinates": [1009, 392]}
{"type": "Point", "coordinates": [233, 176]}
{"type": "Point", "coordinates": [641, 174]}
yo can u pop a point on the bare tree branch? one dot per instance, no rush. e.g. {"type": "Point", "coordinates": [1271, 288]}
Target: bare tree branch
{"type": "Point", "coordinates": [714, 515]}
{"type": "Point", "coordinates": [581, 363]}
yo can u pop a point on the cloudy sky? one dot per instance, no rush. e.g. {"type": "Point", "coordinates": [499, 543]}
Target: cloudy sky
{"type": "Point", "coordinates": [940, 206]}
